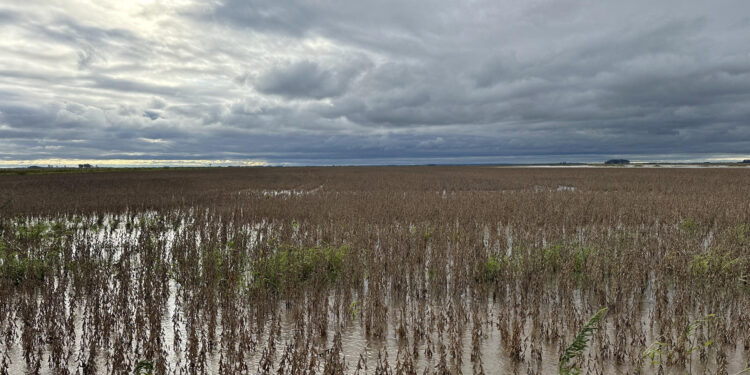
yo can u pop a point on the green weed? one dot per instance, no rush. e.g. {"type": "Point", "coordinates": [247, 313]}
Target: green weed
{"type": "Point", "coordinates": [714, 264]}
{"type": "Point", "coordinates": [576, 348]}
{"type": "Point", "coordinates": [17, 268]}
{"type": "Point", "coordinates": [292, 266]}
{"type": "Point", "coordinates": [144, 367]}
{"type": "Point", "coordinates": [551, 257]}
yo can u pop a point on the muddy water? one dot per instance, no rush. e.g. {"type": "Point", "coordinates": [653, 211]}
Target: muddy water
{"type": "Point", "coordinates": [467, 342]}
{"type": "Point", "coordinates": [367, 352]}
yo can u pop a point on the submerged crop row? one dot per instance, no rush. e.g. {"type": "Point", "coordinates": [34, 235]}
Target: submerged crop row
{"type": "Point", "coordinates": [376, 270]}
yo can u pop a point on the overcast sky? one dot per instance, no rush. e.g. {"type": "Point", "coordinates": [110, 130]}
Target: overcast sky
{"type": "Point", "coordinates": [367, 82]}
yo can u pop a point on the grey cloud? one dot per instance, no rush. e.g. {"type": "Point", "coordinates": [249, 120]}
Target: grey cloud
{"type": "Point", "coordinates": [7, 16]}
{"type": "Point", "coordinates": [86, 56]}
{"type": "Point", "coordinates": [129, 85]}
{"type": "Point", "coordinates": [267, 15]}
{"type": "Point", "coordinates": [157, 103]}
{"type": "Point", "coordinates": [153, 115]}
{"type": "Point", "coordinates": [340, 81]}
{"type": "Point", "coordinates": [68, 30]}
{"type": "Point", "coordinates": [308, 79]}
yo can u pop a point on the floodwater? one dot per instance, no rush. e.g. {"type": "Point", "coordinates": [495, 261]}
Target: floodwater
{"type": "Point", "coordinates": [468, 341]}
{"type": "Point", "coordinates": [358, 349]}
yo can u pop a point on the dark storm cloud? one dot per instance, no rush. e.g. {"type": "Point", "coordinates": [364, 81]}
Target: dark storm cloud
{"type": "Point", "coordinates": [338, 81]}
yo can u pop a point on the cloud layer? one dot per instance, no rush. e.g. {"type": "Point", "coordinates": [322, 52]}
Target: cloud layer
{"type": "Point", "coordinates": [350, 82]}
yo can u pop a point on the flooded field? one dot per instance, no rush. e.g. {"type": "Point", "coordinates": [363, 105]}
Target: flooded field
{"type": "Point", "coordinates": [413, 270]}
